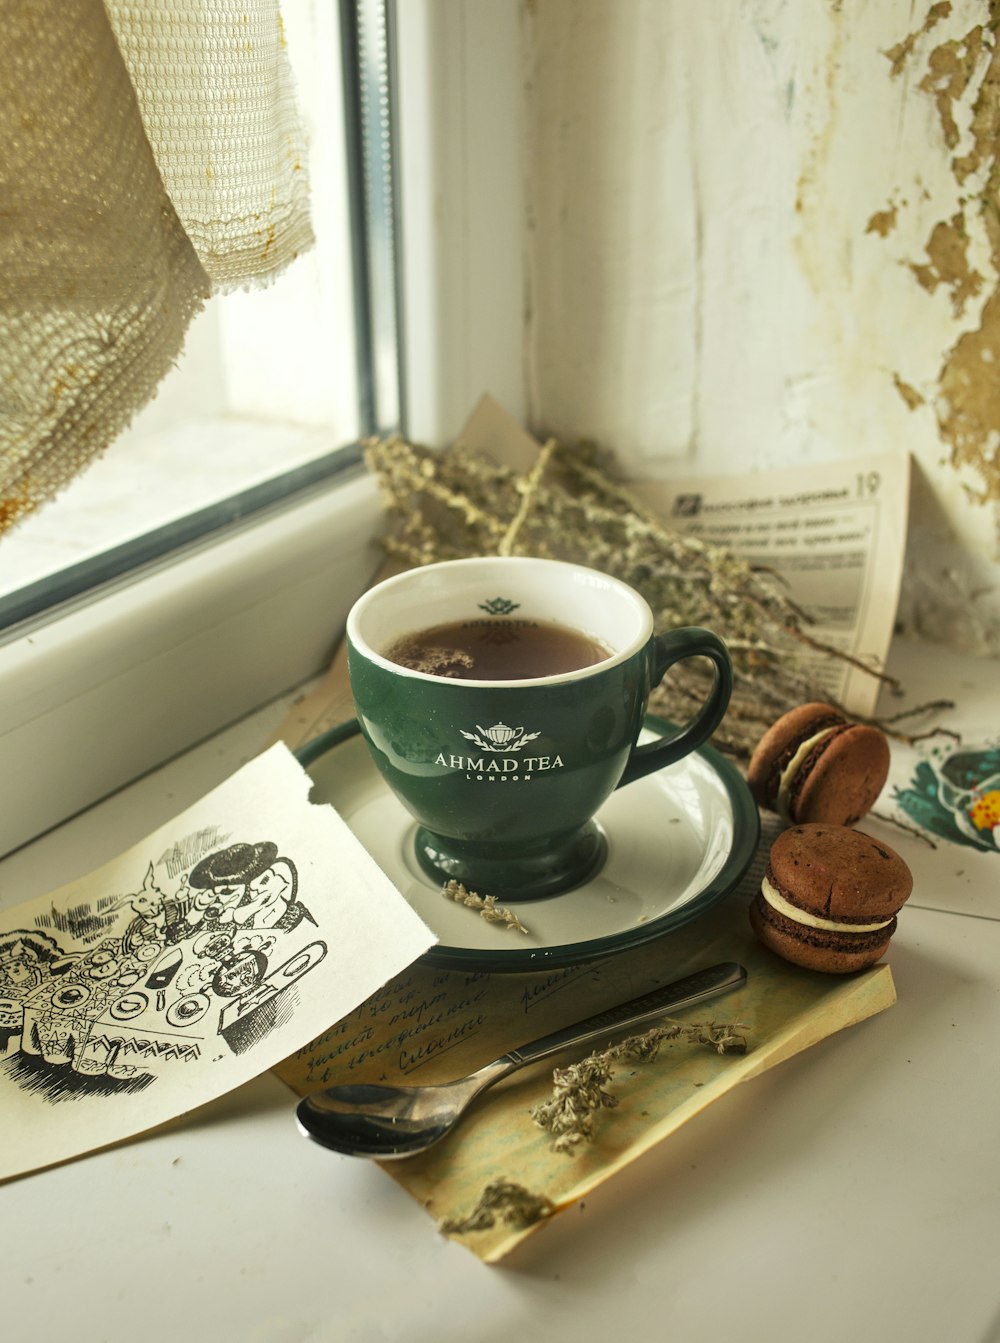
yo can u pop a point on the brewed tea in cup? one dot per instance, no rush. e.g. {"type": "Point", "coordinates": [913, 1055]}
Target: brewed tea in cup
{"type": "Point", "coordinates": [497, 650]}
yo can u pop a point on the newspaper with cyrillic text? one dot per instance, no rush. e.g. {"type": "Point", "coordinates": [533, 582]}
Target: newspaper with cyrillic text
{"type": "Point", "coordinates": [833, 534]}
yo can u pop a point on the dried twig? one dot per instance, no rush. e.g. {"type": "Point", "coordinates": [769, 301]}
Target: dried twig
{"type": "Point", "coordinates": [888, 724]}
{"type": "Point", "coordinates": [579, 1090]}
{"type": "Point", "coordinates": [901, 825]}
{"type": "Point", "coordinates": [486, 905]}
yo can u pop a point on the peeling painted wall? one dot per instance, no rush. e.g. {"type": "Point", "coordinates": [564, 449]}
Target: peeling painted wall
{"type": "Point", "coordinates": [762, 232]}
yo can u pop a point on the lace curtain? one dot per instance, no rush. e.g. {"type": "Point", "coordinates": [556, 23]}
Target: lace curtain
{"type": "Point", "coordinates": [150, 156]}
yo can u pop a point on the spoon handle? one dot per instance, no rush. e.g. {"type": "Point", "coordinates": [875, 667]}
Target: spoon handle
{"type": "Point", "coordinates": [681, 993]}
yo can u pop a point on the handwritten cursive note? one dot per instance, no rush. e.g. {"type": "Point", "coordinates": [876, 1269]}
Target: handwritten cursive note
{"type": "Point", "coordinates": [432, 1025]}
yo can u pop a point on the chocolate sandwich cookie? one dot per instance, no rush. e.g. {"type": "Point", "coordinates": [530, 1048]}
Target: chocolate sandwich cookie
{"type": "Point", "coordinates": [829, 898]}
{"type": "Point", "coordinates": [814, 764]}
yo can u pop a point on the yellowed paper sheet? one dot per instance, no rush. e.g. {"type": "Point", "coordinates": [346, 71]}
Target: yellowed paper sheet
{"type": "Point", "coordinates": [430, 1025]}
{"type": "Point", "coordinates": [188, 964]}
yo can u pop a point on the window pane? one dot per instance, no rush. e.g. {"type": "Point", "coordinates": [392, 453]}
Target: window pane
{"type": "Point", "coordinates": [266, 397]}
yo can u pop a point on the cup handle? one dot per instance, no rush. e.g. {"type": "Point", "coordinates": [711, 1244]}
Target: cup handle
{"type": "Point", "coordinates": [667, 649]}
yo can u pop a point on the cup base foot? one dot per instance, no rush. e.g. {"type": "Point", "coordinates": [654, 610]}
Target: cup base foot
{"type": "Point", "coordinates": [517, 876]}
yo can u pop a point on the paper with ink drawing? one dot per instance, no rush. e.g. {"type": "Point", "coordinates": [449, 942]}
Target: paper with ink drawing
{"type": "Point", "coordinates": [189, 964]}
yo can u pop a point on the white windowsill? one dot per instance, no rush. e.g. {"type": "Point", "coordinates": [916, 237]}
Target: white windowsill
{"type": "Point", "coordinates": [122, 682]}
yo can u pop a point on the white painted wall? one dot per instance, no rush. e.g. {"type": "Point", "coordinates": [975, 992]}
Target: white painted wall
{"type": "Point", "coordinates": [726, 201]}
{"type": "Point", "coordinates": [461, 155]}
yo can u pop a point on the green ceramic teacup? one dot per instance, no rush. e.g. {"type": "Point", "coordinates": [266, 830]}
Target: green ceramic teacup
{"type": "Point", "coordinates": [504, 777]}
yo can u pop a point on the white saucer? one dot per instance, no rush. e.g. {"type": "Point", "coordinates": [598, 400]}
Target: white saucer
{"type": "Point", "coordinates": [679, 840]}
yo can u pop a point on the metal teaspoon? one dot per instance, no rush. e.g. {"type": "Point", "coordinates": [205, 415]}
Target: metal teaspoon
{"type": "Point", "coordinates": [367, 1119]}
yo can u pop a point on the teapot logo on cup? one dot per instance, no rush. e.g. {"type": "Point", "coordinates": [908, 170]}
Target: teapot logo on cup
{"type": "Point", "coordinates": [500, 737]}
{"type": "Point", "coordinates": [548, 688]}
{"type": "Point", "coordinates": [510, 768]}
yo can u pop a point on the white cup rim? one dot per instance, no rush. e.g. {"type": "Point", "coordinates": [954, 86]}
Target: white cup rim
{"type": "Point", "coordinates": [625, 597]}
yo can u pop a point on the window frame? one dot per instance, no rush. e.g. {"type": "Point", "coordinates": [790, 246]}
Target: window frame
{"type": "Point", "coordinates": [123, 677]}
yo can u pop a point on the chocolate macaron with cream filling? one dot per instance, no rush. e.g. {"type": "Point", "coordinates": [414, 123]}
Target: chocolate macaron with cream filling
{"type": "Point", "coordinates": [829, 898]}
{"type": "Point", "coordinates": [814, 764]}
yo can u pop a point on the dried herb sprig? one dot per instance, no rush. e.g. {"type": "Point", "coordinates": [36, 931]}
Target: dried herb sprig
{"type": "Point", "coordinates": [486, 905]}
{"type": "Point", "coordinates": [572, 505]}
{"type": "Point", "coordinates": [505, 1199]}
{"type": "Point", "coordinates": [579, 1090]}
